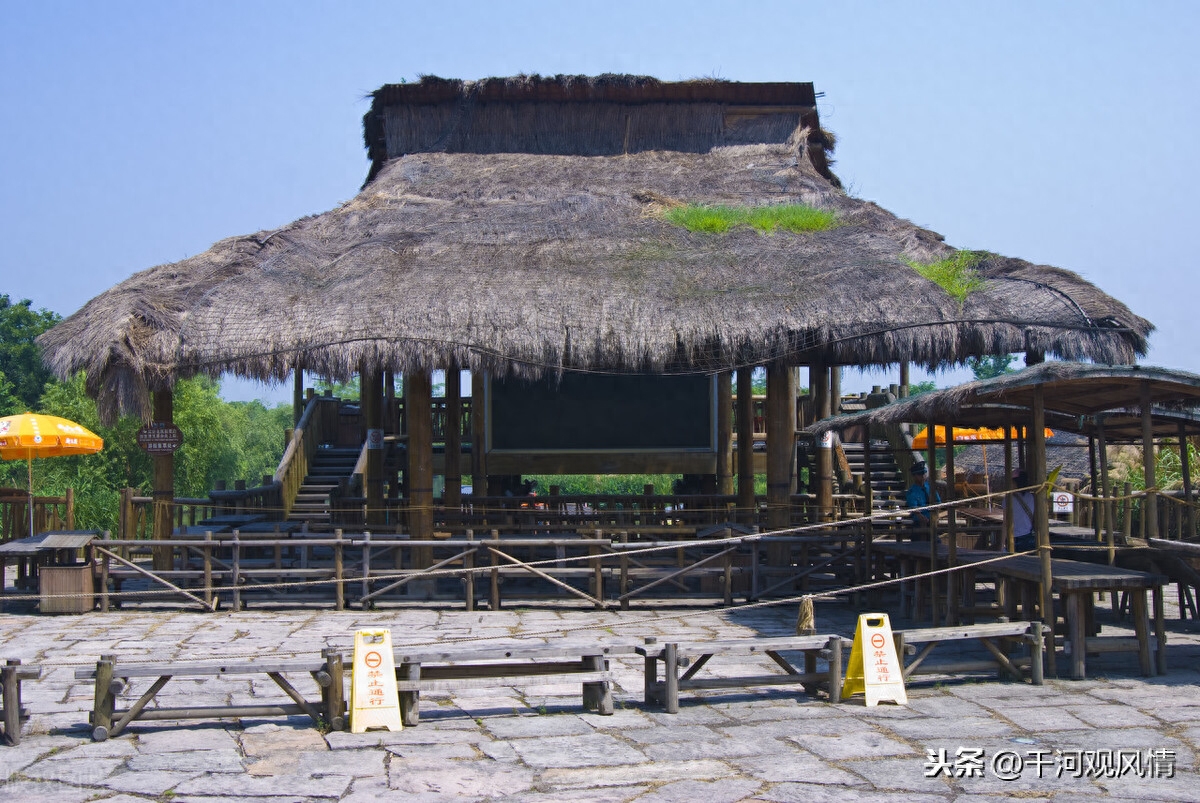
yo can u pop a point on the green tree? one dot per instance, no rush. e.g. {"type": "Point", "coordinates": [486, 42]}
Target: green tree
{"type": "Point", "coordinates": [917, 388]}
{"type": "Point", "coordinates": [20, 359]}
{"type": "Point", "coordinates": [9, 404]}
{"type": "Point", "coordinates": [992, 366]}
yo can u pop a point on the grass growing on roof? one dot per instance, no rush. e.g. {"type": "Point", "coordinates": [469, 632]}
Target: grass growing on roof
{"type": "Point", "coordinates": [956, 274]}
{"type": "Point", "coordinates": [796, 218]}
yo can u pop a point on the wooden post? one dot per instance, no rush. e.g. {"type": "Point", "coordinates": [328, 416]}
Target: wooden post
{"type": "Point", "coordinates": [1007, 534]}
{"type": "Point", "coordinates": [336, 694]}
{"type": "Point", "coordinates": [419, 403]}
{"type": "Point", "coordinates": [208, 586]}
{"type": "Point", "coordinates": [164, 485]}
{"type": "Point", "coordinates": [818, 380]}
{"type": "Point", "coordinates": [1093, 470]}
{"type": "Point", "coordinates": [1150, 501]}
{"type": "Point", "coordinates": [479, 480]}
{"type": "Point", "coordinates": [1189, 517]}
{"type": "Point", "coordinates": [104, 570]}
{"type": "Point", "coordinates": [725, 434]}
{"type": "Point", "coordinates": [1106, 508]}
{"type": "Point", "coordinates": [835, 389]}
{"type": "Point", "coordinates": [339, 590]}
{"type": "Point", "coordinates": [745, 454]}
{"type": "Point", "coordinates": [104, 701]}
{"type": "Point", "coordinates": [869, 508]}
{"type": "Point", "coordinates": [781, 442]}
{"type": "Point", "coordinates": [904, 380]}
{"type": "Point", "coordinates": [1041, 516]}
{"type": "Point", "coordinates": [951, 531]}
{"type": "Point", "coordinates": [372, 404]}
{"type": "Point", "coordinates": [297, 396]}
{"type": "Point", "coordinates": [452, 496]}
{"type": "Point", "coordinates": [469, 574]}
{"type": "Point", "coordinates": [235, 574]}
{"type": "Point", "coordinates": [931, 465]}
{"type": "Point", "coordinates": [1127, 511]}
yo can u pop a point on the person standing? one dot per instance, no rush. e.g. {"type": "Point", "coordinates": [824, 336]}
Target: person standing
{"type": "Point", "coordinates": [920, 494]}
{"type": "Point", "coordinates": [1021, 504]}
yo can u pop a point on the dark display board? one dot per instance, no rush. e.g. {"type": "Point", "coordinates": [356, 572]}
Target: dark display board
{"type": "Point", "coordinates": [600, 412]}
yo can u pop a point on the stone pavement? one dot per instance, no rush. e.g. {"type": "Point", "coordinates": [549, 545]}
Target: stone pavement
{"type": "Point", "coordinates": [535, 744]}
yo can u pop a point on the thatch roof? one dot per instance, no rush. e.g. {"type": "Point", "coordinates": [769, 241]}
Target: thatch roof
{"type": "Point", "coordinates": [1076, 397]}
{"type": "Point", "coordinates": [481, 239]}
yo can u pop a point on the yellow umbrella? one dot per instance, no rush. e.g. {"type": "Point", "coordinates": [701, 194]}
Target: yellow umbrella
{"type": "Point", "coordinates": [967, 435]}
{"type": "Point", "coordinates": [31, 435]}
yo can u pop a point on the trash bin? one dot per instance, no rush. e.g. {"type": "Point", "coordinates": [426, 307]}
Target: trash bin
{"type": "Point", "coordinates": [77, 580]}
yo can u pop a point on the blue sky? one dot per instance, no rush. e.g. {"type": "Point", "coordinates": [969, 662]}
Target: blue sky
{"type": "Point", "coordinates": [137, 133]}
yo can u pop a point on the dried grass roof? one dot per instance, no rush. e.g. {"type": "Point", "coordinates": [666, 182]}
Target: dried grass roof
{"type": "Point", "coordinates": [527, 262]}
{"type": "Point", "coordinates": [1076, 397]}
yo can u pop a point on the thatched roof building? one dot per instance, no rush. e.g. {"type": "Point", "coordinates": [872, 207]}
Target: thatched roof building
{"type": "Point", "coordinates": [523, 226]}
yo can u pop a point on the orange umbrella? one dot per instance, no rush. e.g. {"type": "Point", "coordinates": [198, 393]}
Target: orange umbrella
{"type": "Point", "coordinates": [968, 435]}
{"type": "Point", "coordinates": [31, 435]}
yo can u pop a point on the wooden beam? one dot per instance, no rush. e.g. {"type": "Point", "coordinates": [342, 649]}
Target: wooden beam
{"type": "Point", "coordinates": [725, 433]}
{"type": "Point", "coordinates": [164, 485]}
{"type": "Point", "coordinates": [781, 442]}
{"type": "Point", "coordinates": [479, 479]}
{"type": "Point", "coordinates": [1189, 516]}
{"type": "Point", "coordinates": [372, 404]}
{"type": "Point", "coordinates": [1150, 501]}
{"type": "Point", "coordinates": [1041, 516]}
{"type": "Point", "coordinates": [452, 497]}
{"type": "Point", "coordinates": [419, 401]}
{"type": "Point", "coordinates": [745, 454]}
{"type": "Point", "coordinates": [297, 395]}
{"type": "Point", "coordinates": [818, 380]}
{"type": "Point", "coordinates": [1106, 508]}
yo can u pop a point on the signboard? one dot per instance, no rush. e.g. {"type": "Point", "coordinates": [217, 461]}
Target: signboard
{"type": "Point", "coordinates": [374, 439]}
{"type": "Point", "coordinates": [1063, 502]}
{"type": "Point", "coordinates": [374, 699]}
{"type": "Point", "coordinates": [874, 669]}
{"type": "Point", "coordinates": [159, 438]}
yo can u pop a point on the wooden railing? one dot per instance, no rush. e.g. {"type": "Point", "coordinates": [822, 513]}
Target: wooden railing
{"type": "Point", "coordinates": [316, 426]}
{"type": "Point", "coordinates": [49, 513]}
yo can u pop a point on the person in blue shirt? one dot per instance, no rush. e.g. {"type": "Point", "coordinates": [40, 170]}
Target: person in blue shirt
{"type": "Point", "coordinates": [920, 494]}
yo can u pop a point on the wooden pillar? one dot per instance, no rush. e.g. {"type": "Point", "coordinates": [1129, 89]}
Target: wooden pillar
{"type": "Point", "coordinates": [835, 389]}
{"type": "Point", "coordinates": [781, 442]}
{"type": "Point", "coordinates": [452, 497]}
{"type": "Point", "coordinates": [745, 454]}
{"type": "Point", "coordinates": [1150, 501]}
{"type": "Point", "coordinates": [1189, 517]}
{"type": "Point", "coordinates": [372, 409]}
{"type": "Point", "coordinates": [297, 395]}
{"type": "Point", "coordinates": [1006, 535]}
{"type": "Point", "coordinates": [952, 579]}
{"type": "Point", "coordinates": [904, 380]}
{"type": "Point", "coordinates": [1106, 508]}
{"type": "Point", "coordinates": [1093, 470]}
{"type": "Point", "coordinates": [931, 464]}
{"type": "Point", "coordinates": [1041, 516]}
{"type": "Point", "coordinates": [419, 401]}
{"type": "Point", "coordinates": [725, 434]}
{"type": "Point", "coordinates": [164, 484]}
{"type": "Point", "coordinates": [479, 479]}
{"type": "Point", "coordinates": [818, 380]}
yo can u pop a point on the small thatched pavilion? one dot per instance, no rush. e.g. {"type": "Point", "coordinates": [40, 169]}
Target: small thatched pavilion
{"type": "Point", "coordinates": [533, 227]}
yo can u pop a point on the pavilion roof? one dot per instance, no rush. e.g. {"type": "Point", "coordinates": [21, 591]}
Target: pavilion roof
{"type": "Point", "coordinates": [481, 238]}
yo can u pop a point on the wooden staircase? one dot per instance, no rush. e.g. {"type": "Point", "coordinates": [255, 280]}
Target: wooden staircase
{"type": "Point", "coordinates": [329, 467]}
{"type": "Point", "coordinates": [887, 481]}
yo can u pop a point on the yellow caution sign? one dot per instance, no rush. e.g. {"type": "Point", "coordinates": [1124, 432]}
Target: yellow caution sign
{"type": "Point", "coordinates": [874, 669]}
{"type": "Point", "coordinates": [374, 701]}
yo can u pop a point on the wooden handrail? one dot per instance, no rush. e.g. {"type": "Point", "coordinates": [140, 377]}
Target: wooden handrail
{"type": "Point", "coordinates": [310, 432]}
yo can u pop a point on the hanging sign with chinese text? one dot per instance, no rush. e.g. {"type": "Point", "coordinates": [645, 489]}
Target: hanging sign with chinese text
{"type": "Point", "coordinates": [160, 438]}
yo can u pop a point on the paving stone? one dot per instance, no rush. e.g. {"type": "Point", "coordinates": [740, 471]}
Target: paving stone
{"type": "Point", "coordinates": [44, 792]}
{"type": "Point", "coordinates": [535, 726]}
{"type": "Point", "coordinates": [815, 793]}
{"type": "Point", "coordinates": [186, 740]}
{"type": "Point", "coordinates": [210, 761]}
{"type": "Point", "coordinates": [1111, 716]}
{"type": "Point", "coordinates": [1043, 719]}
{"type": "Point", "coordinates": [935, 727]}
{"type": "Point", "coordinates": [463, 779]}
{"type": "Point", "coordinates": [433, 752]}
{"type": "Point", "coordinates": [666, 733]}
{"type": "Point", "coordinates": [282, 740]}
{"type": "Point", "coordinates": [621, 794]}
{"type": "Point", "coordinates": [590, 750]}
{"type": "Point", "coordinates": [722, 791]}
{"type": "Point", "coordinates": [17, 757]}
{"type": "Point", "coordinates": [794, 765]}
{"type": "Point", "coordinates": [218, 784]}
{"type": "Point", "coordinates": [75, 771]}
{"type": "Point", "coordinates": [860, 744]}
{"type": "Point", "coordinates": [901, 774]}
{"type": "Point", "coordinates": [648, 773]}
{"type": "Point", "coordinates": [714, 748]}
{"type": "Point", "coordinates": [153, 783]}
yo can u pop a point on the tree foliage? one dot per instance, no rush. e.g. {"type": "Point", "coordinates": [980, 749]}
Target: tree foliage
{"type": "Point", "coordinates": [22, 373]}
{"type": "Point", "coordinates": [991, 366]}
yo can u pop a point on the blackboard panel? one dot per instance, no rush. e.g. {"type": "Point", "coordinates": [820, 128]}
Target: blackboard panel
{"type": "Point", "coordinates": [592, 411]}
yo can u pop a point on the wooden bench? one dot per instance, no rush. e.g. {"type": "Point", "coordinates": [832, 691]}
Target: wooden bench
{"type": "Point", "coordinates": [111, 679]}
{"type": "Point", "coordinates": [423, 669]}
{"type": "Point", "coordinates": [675, 656]}
{"type": "Point", "coordinates": [13, 714]}
{"type": "Point", "coordinates": [1030, 633]}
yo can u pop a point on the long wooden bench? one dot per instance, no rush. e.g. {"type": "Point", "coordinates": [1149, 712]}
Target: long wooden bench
{"type": "Point", "coordinates": [992, 636]}
{"type": "Point", "coordinates": [13, 714]}
{"type": "Point", "coordinates": [112, 679]}
{"type": "Point", "coordinates": [423, 669]}
{"type": "Point", "coordinates": [675, 656]}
